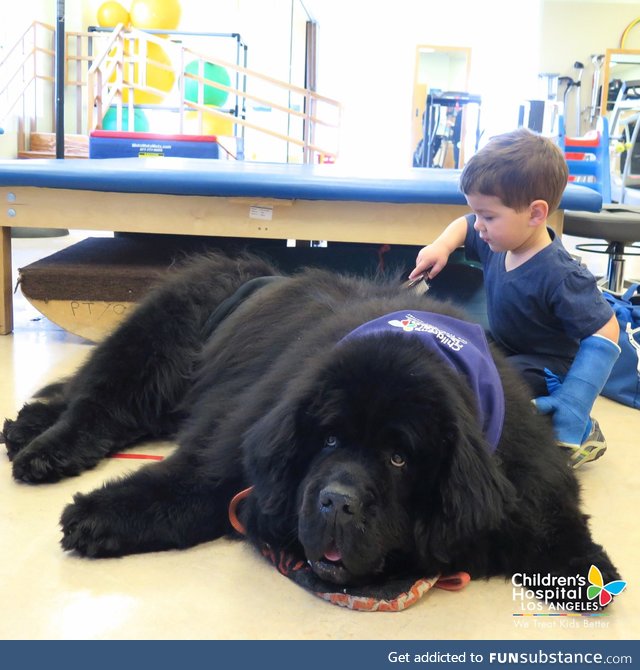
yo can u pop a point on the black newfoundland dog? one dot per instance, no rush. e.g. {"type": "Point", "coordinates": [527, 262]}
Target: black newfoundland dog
{"type": "Point", "coordinates": [377, 433]}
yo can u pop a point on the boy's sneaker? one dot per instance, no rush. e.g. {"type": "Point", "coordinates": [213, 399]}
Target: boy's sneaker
{"type": "Point", "coordinates": [590, 450]}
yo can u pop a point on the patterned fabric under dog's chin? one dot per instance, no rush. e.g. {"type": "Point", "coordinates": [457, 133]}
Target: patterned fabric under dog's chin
{"type": "Point", "coordinates": [394, 595]}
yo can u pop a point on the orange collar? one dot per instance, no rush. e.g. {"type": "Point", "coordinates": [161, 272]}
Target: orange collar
{"type": "Point", "coordinates": [233, 507]}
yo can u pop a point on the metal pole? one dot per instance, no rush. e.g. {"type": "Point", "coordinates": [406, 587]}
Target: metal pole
{"type": "Point", "coordinates": [310, 83]}
{"type": "Point", "coordinates": [597, 60]}
{"type": "Point", "coordinates": [578, 96]}
{"type": "Point", "coordinates": [59, 79]}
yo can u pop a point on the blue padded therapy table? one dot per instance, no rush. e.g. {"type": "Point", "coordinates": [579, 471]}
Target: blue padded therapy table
{"type": "Point", "coordinates": [233, 199]}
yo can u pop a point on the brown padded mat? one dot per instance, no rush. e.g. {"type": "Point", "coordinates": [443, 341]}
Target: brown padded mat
{"type": "Point", "coordinates": [124, 267]}
{"type": "Point", "coordinates": [114, 269]}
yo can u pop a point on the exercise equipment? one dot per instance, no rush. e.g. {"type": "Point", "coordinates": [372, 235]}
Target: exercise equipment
{"type": "Point", "coordinates": [597, 60]}
{"type": "Point", "coordinates": [573, 85]}
{"type": "Point", "coordinates": [627, 30]}
{"type": "Point", "coordinates": [89, 287]}
{"type": "Point", "coordinates": [111, 13]}
{"type": "Point", "coordinates": [140, 121]}
{"type": "Point", "coordinates": [212, 95]}
{"type": "Point", "coordinates": [617, 224]}
{"type": "Point", "coordinates": [588, 158]}
{"type": "Point", "coordinates": [158, 68]}
{"type": "Point", "coordinates": [442, 127]}
{"type": "Point", "coordinates": [625, 174]}
{"type": "Point", "coordinates": [155, 14]}
{"type": "Point", "coordinates": [114, 144]}
{"type": "Point", "coordinates": [212, 124]}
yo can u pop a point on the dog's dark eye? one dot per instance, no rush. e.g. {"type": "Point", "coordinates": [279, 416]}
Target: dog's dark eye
{"type": "Point", "coordinates": [398, 460]}
{"type": "Point", "coordinates": [331, 442]}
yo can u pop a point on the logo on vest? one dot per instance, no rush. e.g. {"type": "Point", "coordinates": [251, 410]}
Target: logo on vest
{"type": "Point", "coordinates": [412, 324]}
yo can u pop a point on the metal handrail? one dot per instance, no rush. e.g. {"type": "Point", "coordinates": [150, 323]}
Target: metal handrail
{"type": "Point", "coordinates": [23, 57]}
{"type": "Point", "coordinates": [106, 83]}
{"type": "Point", "coordinates": [21, 39]}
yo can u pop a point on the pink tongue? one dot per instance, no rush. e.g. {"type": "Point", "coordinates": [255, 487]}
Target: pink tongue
{"type": "Point", "coordinates": [333, 555]}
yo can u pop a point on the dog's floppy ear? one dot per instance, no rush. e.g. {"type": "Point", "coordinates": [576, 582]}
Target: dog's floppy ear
{"type": "Point", "coordinates": [277, 453]}
{"type": "Point", "coordinates": [471, 494]}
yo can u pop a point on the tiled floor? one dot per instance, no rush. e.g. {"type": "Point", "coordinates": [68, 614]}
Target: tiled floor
{"type": "Point", "coordinates": [223, 590]}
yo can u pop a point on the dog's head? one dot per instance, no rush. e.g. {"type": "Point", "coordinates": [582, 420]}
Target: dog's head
{"type": "Point", "coordinates": [374, 460]}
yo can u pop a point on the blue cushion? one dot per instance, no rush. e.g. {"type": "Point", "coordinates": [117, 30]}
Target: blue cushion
{"type": "Point", "coordinates": [193, 176]}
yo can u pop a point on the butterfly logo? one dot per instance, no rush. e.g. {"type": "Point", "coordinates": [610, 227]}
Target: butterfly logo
{"type": "Point", "coordinates": [604, 592]}
{"type": "Point", "coordinates": [406, 324]}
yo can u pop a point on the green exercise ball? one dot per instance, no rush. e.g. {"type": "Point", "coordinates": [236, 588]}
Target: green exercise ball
{"type": "Point", "coordinates": [140, 121]}
{"type": "Point", "coordinates": [212, 95]}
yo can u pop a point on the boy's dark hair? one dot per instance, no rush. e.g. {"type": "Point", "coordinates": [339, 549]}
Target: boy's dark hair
{"type": "Point", "coordinates": [518, 167]}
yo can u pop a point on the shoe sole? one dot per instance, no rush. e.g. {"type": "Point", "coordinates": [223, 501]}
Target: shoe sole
{"type": "Point", "coordinates": [587, 453]}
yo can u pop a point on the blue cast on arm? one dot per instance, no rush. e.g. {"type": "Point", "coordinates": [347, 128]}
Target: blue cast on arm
{"type": "Point", "coordinates": [570, 403]}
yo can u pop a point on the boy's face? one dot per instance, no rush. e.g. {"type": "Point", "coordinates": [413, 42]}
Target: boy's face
{"type": "Point", "coordinates": [502, 228]}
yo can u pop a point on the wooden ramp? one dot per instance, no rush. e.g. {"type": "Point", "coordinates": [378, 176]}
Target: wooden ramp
{"type": "Point", "coordinates": [89, 287]}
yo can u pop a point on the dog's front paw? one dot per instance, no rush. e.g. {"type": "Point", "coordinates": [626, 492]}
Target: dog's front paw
{"type": "Point", "coordinates": [92, 528]}
{"type": "Point", "coordinates": [16, 435]}
{"type": "Point", "coordinates": [37, 465]}
{"type": "Point", "coordinates": [32, 420]}
{"type": "Point", "coordinates": [8, 438]}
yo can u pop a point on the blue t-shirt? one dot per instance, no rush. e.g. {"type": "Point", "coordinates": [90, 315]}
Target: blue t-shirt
{"type": "Point", "coordinates": [545, 306]}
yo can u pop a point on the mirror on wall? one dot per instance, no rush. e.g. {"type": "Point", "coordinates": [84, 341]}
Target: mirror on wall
{"type": "Point", "coordinates": [441, 106]}
{"type": "Point", "coordinates": [620, 103]}
{"type": "Point", "coordinates": [621, 69]}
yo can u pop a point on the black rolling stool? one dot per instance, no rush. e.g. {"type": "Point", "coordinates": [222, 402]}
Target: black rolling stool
{"type": "Point", "coordinates": [619, 226]}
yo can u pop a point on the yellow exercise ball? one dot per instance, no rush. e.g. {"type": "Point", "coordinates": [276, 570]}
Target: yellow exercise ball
{"type": "Point", "coordinates": [211, 124]}
{"type": "Point", "coordinates": [155, 14]}
{"type": "Point", "coordinates": [161, 78]}
{"type": "Point", "coordinates": [111, 13]}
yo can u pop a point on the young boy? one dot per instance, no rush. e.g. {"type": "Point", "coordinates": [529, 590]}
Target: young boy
{"type": "Point", "coordinates": [545, 309]}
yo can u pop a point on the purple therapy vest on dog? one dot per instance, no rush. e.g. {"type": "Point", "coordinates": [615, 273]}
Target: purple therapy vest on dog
{"type": "Point", "coordinates": [463, 346]}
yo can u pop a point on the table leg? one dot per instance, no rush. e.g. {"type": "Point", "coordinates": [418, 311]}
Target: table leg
{"type": "Point", "coordinates": [6, 289]}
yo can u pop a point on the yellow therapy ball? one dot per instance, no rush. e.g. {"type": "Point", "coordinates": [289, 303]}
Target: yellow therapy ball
{"type": "Point", "coordinates": [111, 13]}
{"type": "Point", "coordinates": [211, 124]}
{"type": "Point", "coordinates": [155, 14]}
{"type": "Point", "coordinates": [159, 73]}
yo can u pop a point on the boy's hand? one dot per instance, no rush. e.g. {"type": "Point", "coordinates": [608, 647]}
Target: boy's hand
{"type": "Point", "coordinates": [430, 261]}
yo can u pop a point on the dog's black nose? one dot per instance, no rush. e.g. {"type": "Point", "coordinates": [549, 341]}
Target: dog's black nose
{"type": "Point", "coordinates": [339, 501]}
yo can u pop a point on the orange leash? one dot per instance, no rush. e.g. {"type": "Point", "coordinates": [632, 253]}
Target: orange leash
{"type": "Point", "coordinates": [233, 507]}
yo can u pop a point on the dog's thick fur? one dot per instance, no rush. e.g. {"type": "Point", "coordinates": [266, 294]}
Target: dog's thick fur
{"type": "Point", "coordinates": [367, 458]}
